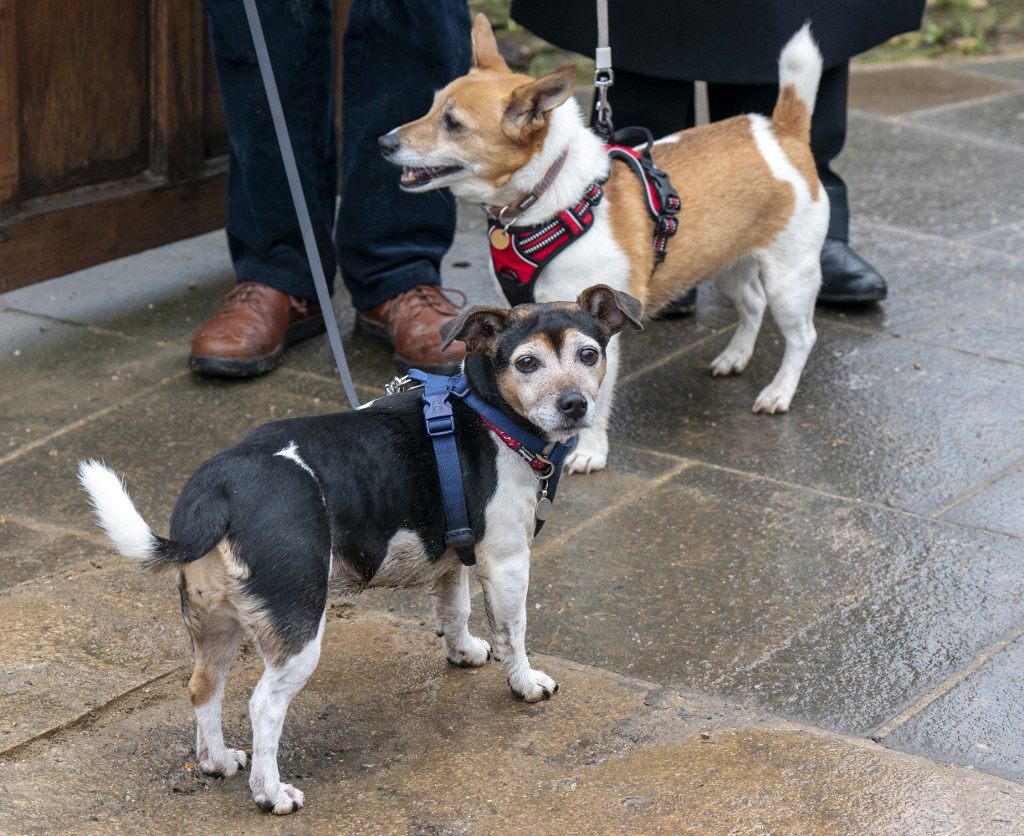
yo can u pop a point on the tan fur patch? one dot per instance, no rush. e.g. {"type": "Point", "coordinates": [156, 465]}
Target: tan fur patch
{"type": "Point", "coordinates": [731, 204]}
{"type": "Point", "coordinates": [478, 102]}
{"type": "Point", "coordinates": [792, 123]}
{"type": "Point", "coordinates": [214, 600]}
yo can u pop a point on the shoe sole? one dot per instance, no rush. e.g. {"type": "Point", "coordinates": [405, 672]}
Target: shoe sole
{"type": "Point", "coordinates": [212, 366]}
{"type": "Point", "coordinates": [863, 299]}
{"type": "Point", "coordinates": [380, 334]}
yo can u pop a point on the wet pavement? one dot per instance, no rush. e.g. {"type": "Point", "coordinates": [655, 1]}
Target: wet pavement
{"type": "Point", "coordinates": [810, 623]}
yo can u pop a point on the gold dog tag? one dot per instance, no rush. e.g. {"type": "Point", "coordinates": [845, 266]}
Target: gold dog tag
{"type": "Point", "coordinates": [499, 238]}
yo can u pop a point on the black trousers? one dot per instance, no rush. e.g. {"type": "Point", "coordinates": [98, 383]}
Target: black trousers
{"type": "Point", "coordinates": [667, 106]}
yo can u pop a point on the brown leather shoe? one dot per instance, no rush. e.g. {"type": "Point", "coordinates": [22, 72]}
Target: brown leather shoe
{"type": "Point", "coordinates": [252, 329]}
{"type": "Point", "coordinates": [410, 323]}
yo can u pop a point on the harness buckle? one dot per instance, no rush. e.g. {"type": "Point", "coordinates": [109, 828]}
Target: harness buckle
{"type": "Point", "coordinates": [437, 414]}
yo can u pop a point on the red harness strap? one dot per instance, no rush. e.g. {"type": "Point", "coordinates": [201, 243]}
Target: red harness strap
{"type": "Point", "coordinates": [520, 253]}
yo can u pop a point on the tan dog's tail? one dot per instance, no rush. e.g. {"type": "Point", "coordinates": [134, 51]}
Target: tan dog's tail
{"type": "Point", "coordinates": [799, 73]}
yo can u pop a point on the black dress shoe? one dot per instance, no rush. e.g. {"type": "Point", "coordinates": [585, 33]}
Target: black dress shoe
{"type": "Point", "coordinates": [681, 306]}
{"type": "Point", "coordinates": [846, 278]}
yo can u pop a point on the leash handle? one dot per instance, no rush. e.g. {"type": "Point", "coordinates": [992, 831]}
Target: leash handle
{"type": "Point", "coordinates": [604, 77]}
{"type": "Point", "coordinates": [299, 199]}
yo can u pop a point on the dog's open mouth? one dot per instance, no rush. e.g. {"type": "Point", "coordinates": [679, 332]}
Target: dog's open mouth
{"type": "Point", "coordinates": [418, 179]}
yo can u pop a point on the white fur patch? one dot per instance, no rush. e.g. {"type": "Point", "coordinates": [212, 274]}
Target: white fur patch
{"type": "Point", "coordinates": [800, 66]}
{"type": "Point", "coordinates": [117, 515]}
{"type": "Point", "coordinates": [779, 164]}
{"type": "Point", "coordinates": [292, 452]}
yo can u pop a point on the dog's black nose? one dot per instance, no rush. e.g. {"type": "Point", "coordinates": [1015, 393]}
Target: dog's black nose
{"type": "Point", "coordinates": [573, 404]}
{"type": "Point", "coordinates": [388, 143]}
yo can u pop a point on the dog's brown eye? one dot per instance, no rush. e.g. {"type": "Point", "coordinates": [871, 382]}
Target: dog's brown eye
{"type": "Point", "coordinates": [589, 356]}
{"type": "Point", "coordinates": [527, 364]}
{"type": "Point", "coordinates": [450, 122]}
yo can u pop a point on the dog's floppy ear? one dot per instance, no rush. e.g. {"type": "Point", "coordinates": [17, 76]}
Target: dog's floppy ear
{"type": "Point", "coordinates": [612, 308]}
{"type": "Point", "coordinates": [530, 105]}
{"type": "Point", "coordinates": [485, 48]}
{"type": "Point", "coordinates": [479, 328]}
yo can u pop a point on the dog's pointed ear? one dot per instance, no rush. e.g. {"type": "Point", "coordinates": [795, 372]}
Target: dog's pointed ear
{"type": "Point", "coordinates": [479, 328]}
{"type": "Point", "coordinates": [531, 104]}
{"type": "Point", "coordinates": [485, 48]}
{"type": "Point", "coordinates": [612, 308]}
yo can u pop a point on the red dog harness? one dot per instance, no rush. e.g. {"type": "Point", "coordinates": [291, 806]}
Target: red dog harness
{"type": "Point", "coordinates": [520, 253]}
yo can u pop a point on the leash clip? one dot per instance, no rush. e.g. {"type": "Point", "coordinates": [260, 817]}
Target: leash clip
{"type": "Point", "coordinates": [603, 79]}
{"type": "Point", "coordinates": [397, 384]}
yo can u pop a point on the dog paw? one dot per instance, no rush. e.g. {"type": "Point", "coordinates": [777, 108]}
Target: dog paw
{"type": "Point", "coordinates": [226, 765]}
{"type": "Point", "coordinates": [537, 686]}
{"type": "Point", "coordinates": [729, 362]}
{"type": "Point", "coordinates": [590, 454]}
{"type": "Point", "coordinates": [284, 800]}
{"type": "Point", "coordinates": [475, 653]}
{"type": "Point", "coordinates": [771, 401]}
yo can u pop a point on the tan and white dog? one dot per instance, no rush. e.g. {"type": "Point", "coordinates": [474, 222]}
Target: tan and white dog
{"type": "Point", "coordinates": [754, 215]}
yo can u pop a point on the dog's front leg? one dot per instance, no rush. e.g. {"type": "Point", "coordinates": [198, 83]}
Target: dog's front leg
{"type": "Point", "coordinates": [451, 592]}
{"type": "Point", "coordinates": [591, 452]}
{"type": "Point", "coordinates": [505, 582]}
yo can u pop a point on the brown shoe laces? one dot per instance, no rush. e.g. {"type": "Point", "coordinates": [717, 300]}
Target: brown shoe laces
{"type": "Point", "coordinates": [250, 294]}
{"type": "Point", "coordinates": [417, 299]}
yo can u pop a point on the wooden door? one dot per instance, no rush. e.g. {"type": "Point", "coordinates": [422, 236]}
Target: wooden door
{"type": "Point", "coordinates": [112, 138]}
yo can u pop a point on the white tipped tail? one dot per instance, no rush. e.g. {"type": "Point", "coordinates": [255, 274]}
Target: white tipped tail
{"type": "Point", "coordinates": [117, 515]}
{"type": "Point", "coordinates": [800, 66]}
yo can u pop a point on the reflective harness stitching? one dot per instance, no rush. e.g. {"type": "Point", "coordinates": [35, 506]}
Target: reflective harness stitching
{"type": "Point", "coordinates": [520, 254]}
{"type": "Point", "coordinates": [439, 420]}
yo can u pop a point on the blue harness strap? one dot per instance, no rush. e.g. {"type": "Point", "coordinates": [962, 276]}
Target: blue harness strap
{"type": "Point", "coordinates": [440, 425]}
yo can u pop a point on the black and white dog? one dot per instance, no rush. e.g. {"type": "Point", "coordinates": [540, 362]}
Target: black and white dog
{"type": "Point", "coordinates": [355, 498]}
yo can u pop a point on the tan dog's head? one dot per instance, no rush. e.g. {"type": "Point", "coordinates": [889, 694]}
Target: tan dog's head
{"type": "Point", "coordinates": [481, 129]}
{"type": "Point", "coordinates": [545, 361]}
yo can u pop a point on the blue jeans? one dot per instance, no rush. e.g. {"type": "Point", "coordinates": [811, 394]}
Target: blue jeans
{"type": "Point", "coordinates": [396, 54]}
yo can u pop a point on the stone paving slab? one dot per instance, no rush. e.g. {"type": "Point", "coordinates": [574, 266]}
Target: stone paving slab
{"type": "Point", "coordinates": [976, 720]}
{"type": "Point", "coordinates": [898, 89]}
{"type": "Point", "coordinates": [925, 180]}
{"type": "Point", "coordinates": [702, 583]}
{"type": "Point", "coordinates": [388, 738]}
{"type": "Point", "coordinates": [861, 424]}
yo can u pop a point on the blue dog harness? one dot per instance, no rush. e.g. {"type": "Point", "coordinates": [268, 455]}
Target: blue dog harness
{"type": "Point", "coordinates": [440, 424]}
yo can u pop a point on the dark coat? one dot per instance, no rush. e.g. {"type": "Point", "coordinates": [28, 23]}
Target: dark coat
{"type": "Point", "coordinates": [722, 41]}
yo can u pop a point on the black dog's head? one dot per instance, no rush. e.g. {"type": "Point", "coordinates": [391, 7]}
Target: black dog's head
{"type": "Point", "coordinates": [547, 360]}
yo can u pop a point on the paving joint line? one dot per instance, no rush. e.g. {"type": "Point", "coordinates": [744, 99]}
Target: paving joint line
{"type": "Point", "coordinates": [947, 685]}
{"type": "Point", "coordinates": [87, 419]}
{"type": "Point", "coordinates": [625, 499]}
{"type": "Point", "coordinates": [848, 500]}
{"type": "Point", "coordinates": [84, 717]}
{"type": "Point", "coordinates": [679, 352]}
{"type": "Point", "coordinates": [1009, 470]}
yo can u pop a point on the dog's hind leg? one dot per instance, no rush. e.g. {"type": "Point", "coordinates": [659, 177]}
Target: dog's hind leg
{"type": "Point", "coordinates": [215, 639]}
{"type": "Point", "coordinates": [791, 293]}
{"type": "Point", "coordinates": [505, 581]}
{"type": "Point", "coordinates": [451, 593]}
{"type": "Point", "coordinates": [282, 679]}
{"type": "Point", "coordinates": [740, 284]}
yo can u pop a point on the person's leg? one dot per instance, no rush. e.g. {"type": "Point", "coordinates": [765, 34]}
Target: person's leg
{"type": "Point", "coordinates": [272, 307]}
{"type": "Point", "coordinates": [846, 278]}
{"type": "Point", "coordinates": [263, 234]}
{"type": "Point", "coordinates": [390, 243]}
